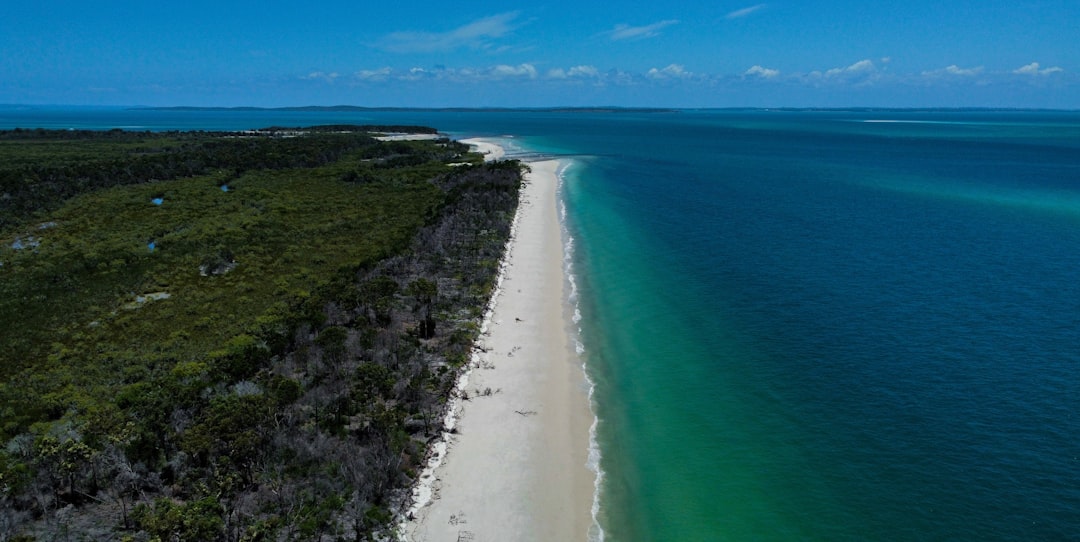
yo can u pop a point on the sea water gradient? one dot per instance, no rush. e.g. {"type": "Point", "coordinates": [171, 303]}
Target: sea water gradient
{"type": "Point", "coordinates": [806, 325]}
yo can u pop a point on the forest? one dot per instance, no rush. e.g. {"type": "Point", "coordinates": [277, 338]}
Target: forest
{"type": "Point", "coordinates": [233, 336]}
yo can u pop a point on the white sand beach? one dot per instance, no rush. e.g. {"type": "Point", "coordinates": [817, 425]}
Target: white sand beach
{"type": "Point", "coordinates": [491, 151]}
{"type": "Point", "coordinates": [516, 467]}
{"type": "Point", "coordinates": [408, 137]}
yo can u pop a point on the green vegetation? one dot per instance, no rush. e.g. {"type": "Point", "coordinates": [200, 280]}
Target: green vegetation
{"type": "Point", "coordinates": [211, 336]}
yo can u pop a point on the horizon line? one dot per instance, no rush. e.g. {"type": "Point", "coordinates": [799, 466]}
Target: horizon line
{"type": "Point", "coordinates": [586, 109]}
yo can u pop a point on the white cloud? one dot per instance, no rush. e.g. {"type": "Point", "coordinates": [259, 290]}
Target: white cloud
{"type": "Point", "coordinates": [414, 74]}
{"type": "Point", "coordinates": [321, 76]}
{"type": "Point", "coordinates": [579, 72]}
{"type": "Point", "coordinates": [957, 70]}
{"type": "Point", "coordinates": [469, 75]}
{"type": "Point", "coordinates": [764, 73]}
{"type": "Point", "coordinates": [620, 77]}
{"type": "Point", "coordinates": [861, 66]}
{"type": "Point", "coordinates": [584, 71]}
{"type": "Point", "coordinates": [673, 71]}
{"type": "Point", "coordinates": [860, 74]}
{"type": "Point", "coordinates": [627, 32]}
{"type": "Point", "coordinates": [522, 70]}
{"type": "Point", "coordinates": [380, 74]}
{"type": "Point", "coordinates": [477, 34]}
{"type": "Point", "coordinates": [1033, 69]}
{"type": "Point", "coordinates": [743, 12]}
{"type": "Point", "coordinates": [954, 70]}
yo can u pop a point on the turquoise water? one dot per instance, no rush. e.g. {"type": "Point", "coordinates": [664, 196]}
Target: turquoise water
{"type": "Point", "coordinates": [806, 328]}
{"type": "Point", "coordinates": [814, 329]}
{"type": "Point", "coordinates": [808, 325]}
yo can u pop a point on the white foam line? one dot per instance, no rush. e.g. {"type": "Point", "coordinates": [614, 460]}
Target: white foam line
{"type": "Point", "coordinates": [423, 491]}
{"type": "Point", "coordinates": [596, 532]}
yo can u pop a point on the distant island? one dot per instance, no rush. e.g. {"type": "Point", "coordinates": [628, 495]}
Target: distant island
{"type": "Point", "coordinates": [597, 109]}
{"type": "Point", "coordinates": [354, 108]}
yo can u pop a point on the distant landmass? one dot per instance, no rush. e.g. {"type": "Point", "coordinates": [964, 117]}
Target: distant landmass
{"type": "Point", "coordinates": [592, 109]}
{"type": "Point", "coordinates": [444, 109]}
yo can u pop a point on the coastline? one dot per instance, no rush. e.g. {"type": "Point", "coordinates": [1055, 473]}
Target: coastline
{"type": "Point", "coordinates": [515, 465]}
{"type": "Point", "coordinates": [491, 151]}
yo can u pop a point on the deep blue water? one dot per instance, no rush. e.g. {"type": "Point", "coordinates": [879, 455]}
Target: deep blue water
{"type": "Point", "coordinates": [804, 325]}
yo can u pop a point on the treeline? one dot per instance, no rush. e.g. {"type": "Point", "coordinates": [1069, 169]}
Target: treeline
{"type": "Point", "coordinates": [370, 128]}
{"type": "Point", "coordinates": [35, 179]}
{"type": "Point", "coordinates": [314, 419]}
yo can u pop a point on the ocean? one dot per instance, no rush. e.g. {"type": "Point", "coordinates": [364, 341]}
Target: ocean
{"type": "Point", "coordinates": [804, 325]}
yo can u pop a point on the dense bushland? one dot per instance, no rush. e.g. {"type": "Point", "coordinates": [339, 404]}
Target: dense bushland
{"type": "Point", "coordinates": [256, 342]}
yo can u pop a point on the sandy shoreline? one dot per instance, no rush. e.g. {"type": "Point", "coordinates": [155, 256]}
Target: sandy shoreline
{"type": "Point", "coordinates": [408, 137]}
{"type": "Point", "coordinates": [516, 468]}
{"type": "Point", "coordinates": [490, 150]}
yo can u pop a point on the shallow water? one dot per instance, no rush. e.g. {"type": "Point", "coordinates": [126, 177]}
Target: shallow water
{"type": "Point", "coordinates": [833, 334]}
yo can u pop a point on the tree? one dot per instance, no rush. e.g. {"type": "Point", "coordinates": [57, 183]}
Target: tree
{"type": "Point", "coordinates": [232, 431]}
{"type": "Point", "coordinates": [168, 520]}
{"type": "Point", "coordinates": [425, 292]}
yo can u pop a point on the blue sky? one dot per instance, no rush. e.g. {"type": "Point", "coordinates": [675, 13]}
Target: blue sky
{"type": "Point", "coordinates": [903, 53]}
